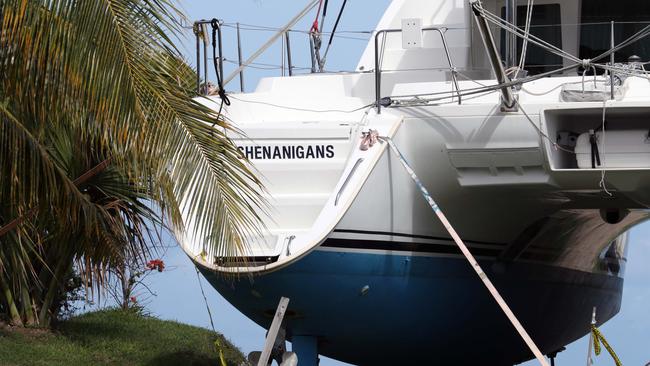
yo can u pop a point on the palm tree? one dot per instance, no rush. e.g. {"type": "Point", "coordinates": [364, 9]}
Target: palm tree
{"type": "Point", "coordinates": [97, 117]}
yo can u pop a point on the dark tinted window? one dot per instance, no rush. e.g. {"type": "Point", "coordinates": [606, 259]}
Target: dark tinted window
{"type": "Point", "coordinates": [545, 24]}
{"type": "Point", "coordinates": [629, 17]}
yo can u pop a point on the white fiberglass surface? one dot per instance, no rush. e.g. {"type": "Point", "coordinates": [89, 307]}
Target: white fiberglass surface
{"type": "Point", "coordinates": [299, 164]}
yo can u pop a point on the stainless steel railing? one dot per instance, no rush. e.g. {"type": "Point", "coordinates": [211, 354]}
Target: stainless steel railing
{"type": "Point", "coordinates": [384, 32]}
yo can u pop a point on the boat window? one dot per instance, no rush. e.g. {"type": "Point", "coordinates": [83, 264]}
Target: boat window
{"type": "Point", "coordinates": [545, 24]}
{"type": "Point", "coordinates": [629, 17]}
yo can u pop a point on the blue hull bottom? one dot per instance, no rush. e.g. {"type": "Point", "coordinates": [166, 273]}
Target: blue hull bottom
{"type": "Point", "coordinates": [379, 309]}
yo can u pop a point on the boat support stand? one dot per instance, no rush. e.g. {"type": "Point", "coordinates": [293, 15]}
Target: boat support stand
{"type": "Point", "coordinates": [274, 346]}
{"type": "Point", "coordinates": [470, 258]}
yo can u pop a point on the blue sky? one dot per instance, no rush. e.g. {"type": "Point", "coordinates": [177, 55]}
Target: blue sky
{"type": "Point", "coordinates": [178, 294]}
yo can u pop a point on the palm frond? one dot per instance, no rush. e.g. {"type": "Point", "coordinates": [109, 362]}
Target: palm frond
{"type": "Point", "coordinates": [110, 69]}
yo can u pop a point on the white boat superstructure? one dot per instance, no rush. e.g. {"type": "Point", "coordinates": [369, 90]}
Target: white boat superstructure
{"type": "Point", "coordinates": [542, 165]}
{"type": "Point", "coordinates": [310, 162]}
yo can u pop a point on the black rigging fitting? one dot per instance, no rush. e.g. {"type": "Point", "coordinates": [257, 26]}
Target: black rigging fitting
{"type": "Point", "coordinates": [216, 31]}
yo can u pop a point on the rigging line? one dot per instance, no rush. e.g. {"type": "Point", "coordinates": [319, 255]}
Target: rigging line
{"type": "Point", "coordinates": [272, 40]}
{"type": "Point", "coordinates": [253, 27]}
{"type": "Point", "coordinates": [496, 86]}
{"type": "Point", "coordinates": [205, 299]}
{"type": "Point", "coordinates": [322, 19]}
{"type": "Point", "coordinates": [451, 100]}
{"type": "Point", "coordinates": [471, 91]}
{"type": "Point", "coordinates": [623, 71]}
{"type": "Point", "coordinates": [537, 41]}
{"type": "Point", "coordinates": [470, 79]}
{"type": "Point", "coordinates": [304, 109]}
{"type": "Point", "coordinates": [264, 66]}
{"type": "Point", "coordinates": [587, 23]}
{"type": "Point", "coordinates": [336, 25]}
{"type": "Point", "coordinates": [633, 38]}
{"type": "Point", "coordinates": [442, 68]}
{"type": "Point", "coordinates": [416, 101]}
{"type": "Point", "coordinates": [524, 45]}
{"type": "Point", "coordinates": [602, 184]}
{"type": "Point", "coordinates": [502, 23]}
{"type": "Point", "coordinates": [540, 132]}
{"type": "Point", "coordinates": [222, 93]}
{"type": "Point", "coordinates": [480, 89]}
{"type": "Point", "coordinates": [314, 26]}
{"type": "Point", "coordinates": [555, 88]}
{"type": "Point", "coordinates": [531, 38]}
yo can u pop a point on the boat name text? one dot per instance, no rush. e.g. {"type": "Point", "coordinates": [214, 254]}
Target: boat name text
{"type": "Point", "coordinates": [260, 152]}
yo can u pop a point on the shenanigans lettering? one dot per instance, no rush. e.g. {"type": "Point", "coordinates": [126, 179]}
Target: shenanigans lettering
{"type": "Point", "coordinates": [261, 152]}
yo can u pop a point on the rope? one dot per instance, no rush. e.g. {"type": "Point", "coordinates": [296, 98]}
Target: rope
{"type": "Point", "coordinates": [322, 19]}
{"type": "Point", "coordinates": [336, 25]}
{"type": "Point", "coordinates": [314, 26]}
{"type": "Point", "coordinates": [585, 63]}
{"type": "Point", "coordinates": [633, 38]}
{"type": "Point", "coordinates": [305, 109]}
{"type": "Point", "coordinates": [217, 345]}
{"type": "Point", "coordinates": [602, 183]}
{"type": "Point", "coordinates": [263, 28]}
{"type": "Point", "coordinates": [524, 46]}
{"type": "Point", "coordinates": [198, 277]}
{"type": "Point", "coordinates": [498, 21]}
{"type": "Point", "coordinates": [598, 339]}
{"type": "Point", "coordinates": [248, 26]}
{"type": "Point", "coordinates": [540, 132]}
{"type": "Point", "coordinates": [468, 255]}
{"type": "Point", "coordinates": [217, 342]}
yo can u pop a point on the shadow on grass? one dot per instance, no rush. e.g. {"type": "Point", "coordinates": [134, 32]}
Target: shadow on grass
{"type": "Point", "coordinates": [91, 330]}
{"type": "Point", "coordinates": [182, 358]}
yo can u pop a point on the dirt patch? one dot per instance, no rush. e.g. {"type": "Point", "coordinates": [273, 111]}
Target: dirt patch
{"type": "Point", "coordinates": [27, 332]}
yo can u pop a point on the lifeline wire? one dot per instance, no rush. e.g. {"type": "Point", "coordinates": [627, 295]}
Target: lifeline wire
{"type": "Point", "coordinates": [491, 87]}
{"type": "Point", "coordinates": [304, 109]}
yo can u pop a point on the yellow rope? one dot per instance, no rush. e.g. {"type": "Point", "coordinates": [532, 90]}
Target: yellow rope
{"type": "Point", "coordinates": [222, 361]}
{"type": "Point", "coordinates": [598, 338]}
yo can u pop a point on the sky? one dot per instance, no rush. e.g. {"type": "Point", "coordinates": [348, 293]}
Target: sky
{"type": "Point", "coordinates": [178, 295]}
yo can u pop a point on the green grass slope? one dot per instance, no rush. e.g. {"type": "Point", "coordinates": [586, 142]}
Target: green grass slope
{"type": "Point", "coordinates": [114, 337]}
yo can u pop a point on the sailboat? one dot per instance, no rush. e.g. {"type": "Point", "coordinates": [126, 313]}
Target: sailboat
{"type": "Point", "coordinates": [528, 122]}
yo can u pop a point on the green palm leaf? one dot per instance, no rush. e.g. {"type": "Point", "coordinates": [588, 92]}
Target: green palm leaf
{"type": "Point", "coordinates": [110, 70]}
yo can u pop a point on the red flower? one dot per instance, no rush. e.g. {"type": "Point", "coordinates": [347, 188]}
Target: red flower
{"type": "Point", "coordinates": [156, 264]}
{"type": "Point", "coordinates": [133, 299]}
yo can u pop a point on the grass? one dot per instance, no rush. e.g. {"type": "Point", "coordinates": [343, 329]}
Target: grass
{"type": "Point", "coordinates": [114, 337]}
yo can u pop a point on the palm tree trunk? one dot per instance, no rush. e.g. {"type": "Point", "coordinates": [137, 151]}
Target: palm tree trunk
{"type": "Point", "coordinates": [13, 310]}
{"type": "Point", "coordinates": [63, 266]}
{"type": "Point", "coordinates": [28, 309]}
